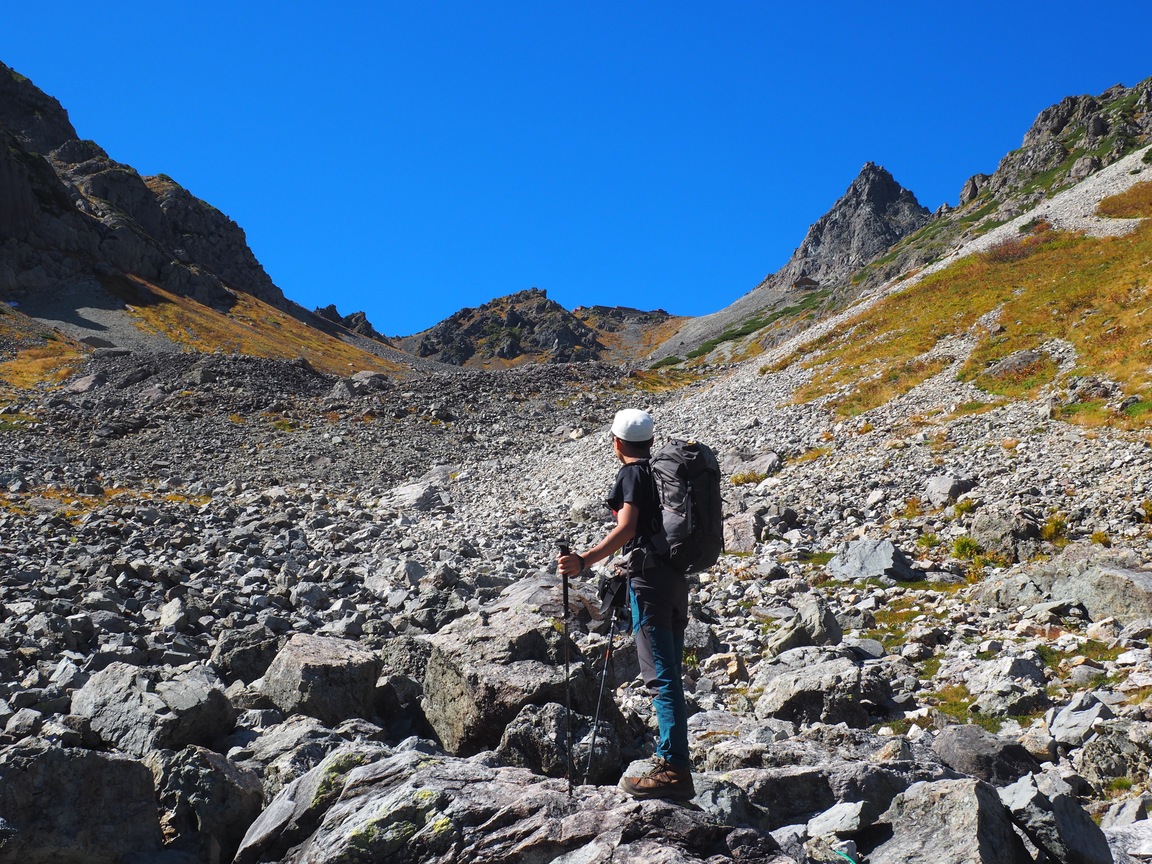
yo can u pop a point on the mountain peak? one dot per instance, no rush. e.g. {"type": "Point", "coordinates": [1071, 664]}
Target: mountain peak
{"type": "Point", "coordinates": [873, 213]}
{"type": "Point", "coordinates": [524, 324]}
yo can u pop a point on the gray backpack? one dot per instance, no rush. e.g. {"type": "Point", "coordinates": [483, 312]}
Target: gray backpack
{"type": "Point", "coordinates": [687, 479]}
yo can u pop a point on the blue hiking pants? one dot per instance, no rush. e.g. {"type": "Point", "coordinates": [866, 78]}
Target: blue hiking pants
{"type": "Point", "coordinates": [659, 617]}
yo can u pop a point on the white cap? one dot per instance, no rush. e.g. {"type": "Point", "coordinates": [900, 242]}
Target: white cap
{"type": "Point", "coordinates": [632, 424]}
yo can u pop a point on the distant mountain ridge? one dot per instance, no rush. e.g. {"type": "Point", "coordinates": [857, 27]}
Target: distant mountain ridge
{"type": "Point", "coordinates": [529, 327]}
{"type": "Point", "coordinates": [107, 256]}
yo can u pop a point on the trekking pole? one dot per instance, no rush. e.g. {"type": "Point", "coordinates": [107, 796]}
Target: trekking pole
{"type": "Point", "coordinates": [565, 550]}
{"type": "Point", "coordinates": [600, 698]}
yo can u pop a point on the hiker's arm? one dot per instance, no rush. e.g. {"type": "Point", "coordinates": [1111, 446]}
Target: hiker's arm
{"type": "Point", "coordinates": [627, 520]}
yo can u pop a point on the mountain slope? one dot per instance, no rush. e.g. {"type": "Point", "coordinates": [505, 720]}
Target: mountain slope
{"type": "Point", "coordinates": [873, 213]}
{"type": "Point", "coordinates": [1067, 143]}
{"type": "Point", "coordinates": [82, 230]}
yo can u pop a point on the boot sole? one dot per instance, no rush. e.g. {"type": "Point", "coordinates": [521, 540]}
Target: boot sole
{"type": "Point", "coordinates": [665, 794]}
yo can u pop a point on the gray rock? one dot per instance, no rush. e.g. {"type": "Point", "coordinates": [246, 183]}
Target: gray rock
{"type": "Point", "coordinates": [800, 780]}
{"type": "Point", "coordinates": [142, 709]}
{"type": "Point", "coordinates": [485, 668]}
{"type": "Point", "coordinates": [1120, 749]}
{"type": "Point", "coordinates": [813, 624]}
{"type": "Point", "coordinates": [1046, 810]}
{"type": "Point", "coordinates": [871, 559]}
{"type": "Point", "coordinates": [432, 808]}
{"type": "Point", "coordinates": [741, 533]}
{"type": "Point", "coordinates": [326, 678]}
{"type": "Point", "coordinates": [944, 489]}
{"type": "Point", "coordinates": [1108, 592]}
{"type": "Point", "coordinates": [724, 800]}
{"type": "Point", "coordinates": [207, 801]}
{"type": "Point", "coordinates": [978, 753]}
{"type": "Point", "coordinates": [393, 575]}
{"type": "Point", "coordinates": [297, 809]}
{"type": "Point", "coordinates": [400, 688]}
{"type": "Point", "coordinates": [1073, 724]}
{"type": "Point", "coordinates": [245, 654]}
{"type": "Point", "coordinates": [1125, 813]}
{"type": "Point", "coordinates": [964, 815]}
{"type": "Point", "coordinates": [25, 722]}
{"type": "Point", "coordinates": [74, 806]}
{"type": "Point", "coordinates": [845, 818]}
{"type": "Point", "coordinates": [1008, 685]}
{"type": "Point", "coordinates": [1011, 534]}
{"type": "Point", "coordinates": [1130, 844]}
{"type": "Point", "coordinates": [831, 691]}
{"type": "Point", "coordinates": [536, 739]}
{"type": "Point", "coordinates": [285, 751]}
{"type": "Point", "coordinates": [419, 497]}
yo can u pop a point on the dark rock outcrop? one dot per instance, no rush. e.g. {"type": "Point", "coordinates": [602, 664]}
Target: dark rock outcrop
{"type": "Point", "coordinates": [73, 216]}
{"type": "Point", "coordinates": [508, 328]}
{"type": "Point", "coordinates": [357, 322]}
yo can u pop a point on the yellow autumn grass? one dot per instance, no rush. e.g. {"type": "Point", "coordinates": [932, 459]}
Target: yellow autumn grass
{"type": "Point", "coordinates": [250, 327]}
{"type": "Point", "coordinates": [48, 365]}
{"type": "Point", "coordinates": [1094, 293]}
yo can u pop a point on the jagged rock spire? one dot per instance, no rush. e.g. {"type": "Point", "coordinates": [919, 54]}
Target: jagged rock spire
{"type": "Point", "coordinates": [874, 213]}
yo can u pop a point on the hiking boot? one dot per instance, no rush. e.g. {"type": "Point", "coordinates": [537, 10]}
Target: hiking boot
{"type": "Point", "coordinates": [662, 780]}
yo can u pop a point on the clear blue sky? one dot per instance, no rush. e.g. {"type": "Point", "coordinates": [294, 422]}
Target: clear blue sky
{"type": "Point", "coordinates": [409, 159]}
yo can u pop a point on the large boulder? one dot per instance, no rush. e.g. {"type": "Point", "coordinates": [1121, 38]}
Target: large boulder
{"type": "Point", "coordinates": [63, 806]}
{"type": "Point", "coordinates": [323, 677]}
{"type": "Point", "coordinates": [400, 687]}
{"type": "Point", "coordinates": [872, 559]}
{"type": "Point", "coordinates": [296, 810]}
{"type": "Point", "coordinates": [1107, 591]}
{"type": "Point", "coordinates": [421, 808]}
{"type": "Point", "coordinates": [978, 753]}
{"type": "Point", "coordinates": [139, 710]}
{"type": "Point", "coordinates": [245, 654]}
{"type": "Point", "coordinates": [958, 821]}
{"type": "Point", "coordinates": [282, 752]}
{"type": "Point", "coordinates": [835, 690]}
{"type": "Point", "coordinates": [484, 668]}
{"type": "Point", "coordinates": [207, 801]}
{"type": "Point", "coordinates": [1046, 809]}
{"type": "Point", "coordinates": [537, 739]}
{"type": "Point", "coordinates": [803, 776]}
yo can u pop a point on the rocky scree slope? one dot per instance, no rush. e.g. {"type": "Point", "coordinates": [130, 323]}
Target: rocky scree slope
{"type": "Point", "coordinates": [327, 633]}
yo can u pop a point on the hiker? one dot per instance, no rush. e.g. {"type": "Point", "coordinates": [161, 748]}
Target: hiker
{"type": "Point", "coordinates": [659, 596]}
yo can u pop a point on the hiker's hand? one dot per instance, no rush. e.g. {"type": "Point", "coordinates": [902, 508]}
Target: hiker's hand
{"type": "Point", "coordinates": [569, 565]}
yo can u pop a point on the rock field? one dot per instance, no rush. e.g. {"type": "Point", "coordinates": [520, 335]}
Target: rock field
{"type": "Point", "coordinates": [250, 612]}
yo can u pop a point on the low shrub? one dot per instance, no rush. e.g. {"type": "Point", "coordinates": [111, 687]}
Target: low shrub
{"type": "Point", "coordinates": [966, 547]}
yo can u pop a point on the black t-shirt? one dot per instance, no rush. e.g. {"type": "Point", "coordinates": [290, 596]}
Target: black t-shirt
{"type": "Point", "coordinates": [634, 486]}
